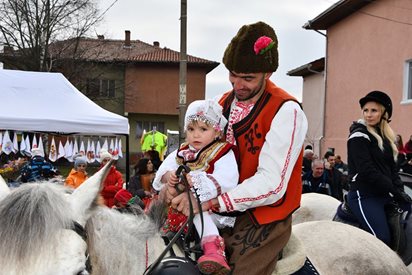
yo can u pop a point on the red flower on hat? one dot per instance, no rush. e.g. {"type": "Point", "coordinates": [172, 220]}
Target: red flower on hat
{"type": "Point", "coordinates": [263, 44]}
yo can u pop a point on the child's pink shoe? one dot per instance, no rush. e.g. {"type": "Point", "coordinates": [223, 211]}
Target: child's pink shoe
{"type": "Point", "coordinates": [213, 260]}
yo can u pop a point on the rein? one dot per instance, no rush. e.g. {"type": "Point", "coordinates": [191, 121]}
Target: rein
{"type": "Point", "coordinates": [79, 229]}
{"type": "Point", "coordinates": [188, 222]}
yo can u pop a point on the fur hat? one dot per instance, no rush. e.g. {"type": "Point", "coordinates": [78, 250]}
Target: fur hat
{"type": "Point", "coordinates": [254, 49]}
{"type": "Point", "coordinates": [379, 97]}
{"type": "Point", "coordinates": [104, 155]}
{"type": "Point", "coordinates": [208, 111]}
{"type": "Point", "coordinates": [123, 196]}
{"type": "Point", "coordinates": [79, 159]}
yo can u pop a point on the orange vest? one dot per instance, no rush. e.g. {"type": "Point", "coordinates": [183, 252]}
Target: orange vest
{"type": "Point", "coordinates": [250, 135]}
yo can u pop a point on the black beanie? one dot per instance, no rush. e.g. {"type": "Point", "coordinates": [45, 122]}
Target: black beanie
{"type": "Point", "coordinates": [254, 49]}
{"type": "Point", "coordinates": [379, 97]}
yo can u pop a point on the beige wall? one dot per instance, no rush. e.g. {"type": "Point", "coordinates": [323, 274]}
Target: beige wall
{"type": "Point", "coordinates": [366, 53]}
{"type": "Point", "coordinates": [313, 101]}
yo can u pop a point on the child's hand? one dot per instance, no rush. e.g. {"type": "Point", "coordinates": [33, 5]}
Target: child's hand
{"type": "Point", "coordinates": [189, 180]}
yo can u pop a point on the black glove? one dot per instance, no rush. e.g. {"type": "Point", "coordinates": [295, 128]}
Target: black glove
{"type": "Point", "coordinates": [401, 197]}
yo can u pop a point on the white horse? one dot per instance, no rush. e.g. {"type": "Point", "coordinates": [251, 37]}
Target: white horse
{"type": "Point", "coordinates": [315, 207]}
{"type": "Point", "coordinates": [41, 227]}
{"type": "Point", "coordinates": [126, 244]}
{"type": "Point", "coordinates": [319, 207]}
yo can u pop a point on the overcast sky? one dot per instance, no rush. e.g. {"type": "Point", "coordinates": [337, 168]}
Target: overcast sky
{"type": "Point", "coordinates": [211, 24]}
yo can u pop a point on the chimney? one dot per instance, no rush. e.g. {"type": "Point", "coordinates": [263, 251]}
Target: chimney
{"type": "Point", "coordinates": [127, 39]}
{"type": "Point", "coordinates": [100, 37]}
{"type": "Point", "coordinates": [156, 44]}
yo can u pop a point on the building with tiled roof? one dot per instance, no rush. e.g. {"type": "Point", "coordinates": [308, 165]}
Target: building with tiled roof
{"type": "Point", "coordinates": [366, 49]}
{"type": "Point", "coordinates": [132, 78]}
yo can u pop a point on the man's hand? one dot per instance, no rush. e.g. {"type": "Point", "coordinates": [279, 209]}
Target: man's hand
{"type": "Point", "coordinates": [167, 194]}
{"type": "Point", "coordinates": [172, 179]}
{"type": "Point", "coordinates": [181, 204]}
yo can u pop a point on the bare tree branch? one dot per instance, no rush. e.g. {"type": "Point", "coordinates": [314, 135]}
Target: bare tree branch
{"type": "Point", "coordinates": [32, 27]}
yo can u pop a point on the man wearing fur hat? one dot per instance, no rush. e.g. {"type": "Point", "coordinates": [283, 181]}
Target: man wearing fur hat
{"type": "Point", "coordinates": [269, 127]}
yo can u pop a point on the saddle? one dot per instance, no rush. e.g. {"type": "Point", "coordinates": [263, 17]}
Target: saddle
{"type": "Point", "coordinates": [393, 216]}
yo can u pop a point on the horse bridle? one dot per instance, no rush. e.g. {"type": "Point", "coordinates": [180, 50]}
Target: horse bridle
{"type": "Point", "coordinates": [79, 229]}
{"type": "Point", "coordinates": [181, 173]}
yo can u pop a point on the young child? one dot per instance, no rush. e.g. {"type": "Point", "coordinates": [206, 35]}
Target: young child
{"type": "Point", "coordinates": [213, 171]}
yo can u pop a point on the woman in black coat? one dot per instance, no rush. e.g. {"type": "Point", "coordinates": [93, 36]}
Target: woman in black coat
{"type": "Point", "coordinates": [372, 155]}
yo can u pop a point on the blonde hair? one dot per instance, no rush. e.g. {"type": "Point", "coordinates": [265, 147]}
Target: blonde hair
{"type": "Point", "coordinates": [385, 131]}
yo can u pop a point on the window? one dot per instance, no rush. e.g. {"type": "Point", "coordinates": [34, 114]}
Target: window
{"type": "Point", "coordinates": [107, 88]}
{"type": "Point", "coordinates": [92, 87]}
{"type": "Point", "coordinates": [149, 126]}
{"type": "Point", "coordinates": [100, 88]}
{"type": "Point", "coordinates": [407, 91]}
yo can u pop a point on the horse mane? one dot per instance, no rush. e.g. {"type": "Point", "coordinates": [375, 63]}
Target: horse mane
{"type": "Point", "coordinates": [30, 219]}
{"type": "Point", "coordinates": [117, 242]}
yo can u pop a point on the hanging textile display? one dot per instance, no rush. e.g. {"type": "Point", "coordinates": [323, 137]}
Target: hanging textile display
{"type": "Point", "coordinates": [27, 150]}
{"type": "Point", "coordinates": [15, 143]}
{"type": "Point", "coordinates": [40, 146]}
{"type": "Point", "coordinates": [154, 140]}
{"type": "Point", "coordinates": [98, 149]}
{"type": "Point", "coordinates": [111, 147]}
{"type": "Point", "coordinates": [7, 143]}
{"type": "Point", "coordinates": [82, 150]}
{"type": "Point", "coordinates": [75, 148]}
{"type": "Point", "coordinates": [90, 151]}
{"type": "Point", "coordinates": [53, 151]}
{"type": "Point", "coordinates": [114, 149]}
{"type": "Point", "coordinates": [22, 145]}
{"type": "Point", "coordinates": [120, 148]}
{"type": "Point", "coordinates": [1, 142]}
{"type": "Point", "coordinates": [34, 142]}
{"type": "Point", "coordinates": [61, 152]}
{"type": "Point", "coordinates": [105, 145]}
{"type": "Point", "coordinates": [68, 149]}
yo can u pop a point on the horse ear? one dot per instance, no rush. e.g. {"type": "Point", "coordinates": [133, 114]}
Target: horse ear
{"type": "Point", "coordinates": [85, 197]}
{"type": "Point", "coordinates": [4, 188]}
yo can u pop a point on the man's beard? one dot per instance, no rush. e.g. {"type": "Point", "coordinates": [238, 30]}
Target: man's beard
{"type": "Point", "coordinates": [255, 92]}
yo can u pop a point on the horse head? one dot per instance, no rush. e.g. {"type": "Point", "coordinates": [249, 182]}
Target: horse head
{"type": "Point", "coordinates": [4, 188]}
{"type": "Point", "coordinates": [41, 224]}
{"type": "Point", "coordinates": [85, 198]}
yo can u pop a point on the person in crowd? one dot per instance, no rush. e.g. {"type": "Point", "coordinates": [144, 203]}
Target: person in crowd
{"type": "Point", "coordinates": [340, 165]}
{"type": "Point", "coordinates": [334, 176]}
{"type": "Point", "coordinates": [307, 160]}
{"type": "Point", "coordinates": [269, 128]}
{"type": "Point", "coordinates": [372, 153]}
{"type": "Point", "coordinates": [38, 168]}
{"type": "Point", "coordinates": [402, 159]}
{"type": "Point", "coordinates": [78, 173]}
{"type": "Point", "coordinates": [113, 182]}
{"type": "Point", "coordinates": [213, 170]}
{"type": "Point", "coordinates": [407, 167]}
{"type": "Point", "coordinates": [138, 157]}
{"type": "Point", "coordinates": [399, 144]}
{"type": "Point", "coordinates": [125, 202]}
{"type": "Point", "coordinates": [153, 155]}
{"type": "Point", "coordinates": [141, 183]}
{"type": "Point", "coordinates": [315, 181]}
{"type": "Point", "coordinates": [408, 148]}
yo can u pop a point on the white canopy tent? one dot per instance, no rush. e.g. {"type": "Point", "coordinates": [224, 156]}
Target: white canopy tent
{"type": "Point", "coordinates": [48, 102]}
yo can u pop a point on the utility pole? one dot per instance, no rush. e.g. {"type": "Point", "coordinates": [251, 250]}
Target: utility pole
{"type": "Point", "coordinates": [182, 69]}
